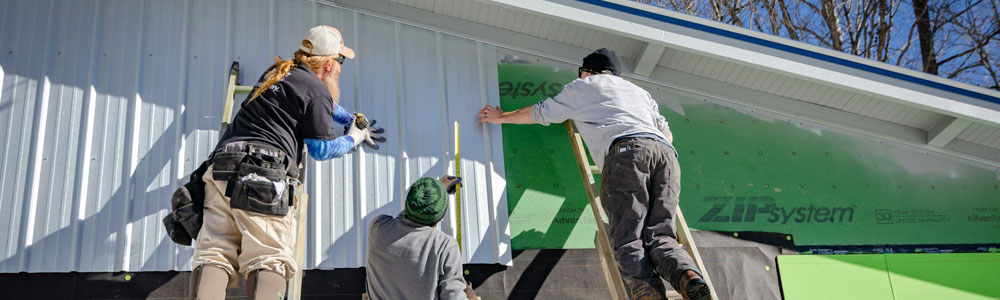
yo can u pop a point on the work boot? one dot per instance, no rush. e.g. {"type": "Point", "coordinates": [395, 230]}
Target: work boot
{"type": "Point", "coordinates": [208, 283]}
{"type": "Point", "coordinates": [645, 288]}
{"type": "Point", "coordinates": [266, 285]}
{"type": "Point", "coordinates": [693, 287]}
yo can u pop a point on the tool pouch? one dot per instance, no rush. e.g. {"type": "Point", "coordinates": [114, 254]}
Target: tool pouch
{"type": "Point", "coordinates": [184, 220]}
{"type": "Point", "coordinates": [224, 168]}
{"type": "Point", "coordinates": [257, 177]}
{"type": "Point", "coordinates": [260, 194]}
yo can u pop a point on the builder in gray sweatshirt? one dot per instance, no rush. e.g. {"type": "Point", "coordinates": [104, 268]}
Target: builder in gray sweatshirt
{"type": "Point", "coordinates": [410, 259]}
{"type": "Point", "coordinates": [640, 177]}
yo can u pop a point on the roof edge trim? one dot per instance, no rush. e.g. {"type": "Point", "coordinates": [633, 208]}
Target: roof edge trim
{"type": "Point", "coordinates": [792, 49]}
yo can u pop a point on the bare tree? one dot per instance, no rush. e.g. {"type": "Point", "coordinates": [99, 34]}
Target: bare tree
{"type": "Point", "coordinates": [958, 39]}
{"type": "Point", "coordinates": [921, 14]}
{"type": "Point", "coordinates": [786, 21]}
{"type": "Point", "coordinates": [829, 14]}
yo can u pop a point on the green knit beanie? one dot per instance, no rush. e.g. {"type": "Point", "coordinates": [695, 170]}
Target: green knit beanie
{"type": "Point", "coordinates": [426, 201]}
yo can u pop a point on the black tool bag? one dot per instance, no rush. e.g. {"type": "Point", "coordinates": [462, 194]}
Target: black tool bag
{"type": "Point", "coordinates": [258, 178]}
{"type": "Point", "coordinates": [184, 220]}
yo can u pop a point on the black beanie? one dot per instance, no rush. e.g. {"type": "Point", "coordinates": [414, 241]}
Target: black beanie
{"type": "Point", "coordinates": [603, 59]}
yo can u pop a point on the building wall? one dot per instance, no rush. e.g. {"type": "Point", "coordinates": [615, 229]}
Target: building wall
{"type": "Point", "coordinates": [107, 105]}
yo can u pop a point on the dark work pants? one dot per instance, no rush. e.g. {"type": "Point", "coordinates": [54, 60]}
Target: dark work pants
{"type": "Point", "coordinates": [640, 184]}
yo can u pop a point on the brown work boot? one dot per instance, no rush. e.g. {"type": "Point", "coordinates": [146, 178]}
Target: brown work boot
{"type": "Point", "coordinates": [266, 285]}
{"type": "Point", "coordinates": [208, 283]}
{"type": "Point", "coordinates": [693, 287]}
{"type": "Point", "coordinates": [645, 289]}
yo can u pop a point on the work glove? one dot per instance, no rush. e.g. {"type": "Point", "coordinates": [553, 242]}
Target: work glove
{"type": "Point", "coordinates": [362, 130]}
{"type": "Point", "coordinates": [450, 183]}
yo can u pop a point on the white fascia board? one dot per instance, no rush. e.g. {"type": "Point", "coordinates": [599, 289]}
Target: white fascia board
{"type": "Point", "coordinates": [761, 57]}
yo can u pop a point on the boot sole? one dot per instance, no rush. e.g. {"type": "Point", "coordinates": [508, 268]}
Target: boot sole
{"type": "Point", "coordinates": [699, 291]}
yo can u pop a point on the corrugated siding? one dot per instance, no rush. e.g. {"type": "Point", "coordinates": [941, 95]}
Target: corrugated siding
{"type": "Point", "coordinates": [107, 105]}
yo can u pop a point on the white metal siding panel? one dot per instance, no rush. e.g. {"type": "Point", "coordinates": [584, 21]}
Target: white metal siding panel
{"type": "Point", "coordinates": [158, 136]}
{"type": "Point", "coordinates": [376, 181]}
{"type": "Point", "coordinates": [21, 83]}
{"type": "Point", "coordinates": [107, 105]}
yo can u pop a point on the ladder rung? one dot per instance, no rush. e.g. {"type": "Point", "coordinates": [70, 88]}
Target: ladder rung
{"type": "Point", "coordinates": [242, 89]}
{"type": "Point", "coordinates": [594, 170]}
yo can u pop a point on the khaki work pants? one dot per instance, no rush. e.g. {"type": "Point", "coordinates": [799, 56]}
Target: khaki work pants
{"type": "Point", "coordinates": [234, 237]}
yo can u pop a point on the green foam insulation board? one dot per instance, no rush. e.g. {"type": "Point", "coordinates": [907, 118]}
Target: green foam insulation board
{"type": "Point", "coordinates": [890, 276]}
{"type": "Point", "coordinates": [746, 170]}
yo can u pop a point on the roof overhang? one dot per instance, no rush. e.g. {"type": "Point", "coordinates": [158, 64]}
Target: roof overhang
{"type": "Point", "coordinates": [837, 89]}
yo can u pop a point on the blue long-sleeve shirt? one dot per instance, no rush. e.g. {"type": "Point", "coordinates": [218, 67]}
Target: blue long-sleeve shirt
{"type": "Point", "coordinates": [327, 149]}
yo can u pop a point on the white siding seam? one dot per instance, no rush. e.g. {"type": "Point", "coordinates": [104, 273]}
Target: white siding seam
{"type": "Point", "coordinates": [181, 105]}
{"type": "Point", "coordinates": [131, 147]}
{"type": "Point", "coordinates": [359, 169]}
{"type": "Point", "coordinates": [37, 152]}
{"type": "Point", "coordinates": [446, 127]}
{"type": "Point", "coordinates": [488, 151]}
{"type": "Point", "coordinates": [403, 177]}
{"type": "Point", "coordinates": [316, 207]}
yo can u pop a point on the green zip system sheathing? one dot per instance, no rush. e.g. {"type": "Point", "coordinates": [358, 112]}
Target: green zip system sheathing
{"type": "Point", "coordinates": [747, 170]}
{"type": "Point", "coordinates": [890, 276]}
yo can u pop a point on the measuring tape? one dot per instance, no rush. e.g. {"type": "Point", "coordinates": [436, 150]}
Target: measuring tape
{"type": "Point", "coordinates": [458, 188]}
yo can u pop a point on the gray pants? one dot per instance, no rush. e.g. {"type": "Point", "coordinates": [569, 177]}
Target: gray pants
{"type": "Point", "coordinates": [640, 184]}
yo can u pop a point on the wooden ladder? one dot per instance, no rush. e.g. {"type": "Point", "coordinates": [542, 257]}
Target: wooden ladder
{"type": "Point", "coordinates": [605, 252]}
{"type": "Point", "coordinates": [294, 289]}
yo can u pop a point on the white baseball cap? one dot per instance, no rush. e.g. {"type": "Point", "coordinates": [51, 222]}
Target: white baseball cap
{"type": "Point", "coordinates": [325, 41]}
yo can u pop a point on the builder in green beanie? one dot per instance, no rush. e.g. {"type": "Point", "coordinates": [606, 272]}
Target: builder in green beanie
{"type": "Point", "coordinates": [410, 259]}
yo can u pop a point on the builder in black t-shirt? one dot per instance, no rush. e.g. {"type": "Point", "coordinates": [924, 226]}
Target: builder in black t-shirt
{"type": "Point", "coordinates": [248, 226]}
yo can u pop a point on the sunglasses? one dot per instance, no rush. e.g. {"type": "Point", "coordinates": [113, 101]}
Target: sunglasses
{"type": "Point", "coordinates": [340, 59]}
{"type": "Point", "coordinates": [579, 72]}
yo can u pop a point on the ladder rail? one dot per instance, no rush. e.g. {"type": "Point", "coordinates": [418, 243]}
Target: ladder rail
{"type": "Point", "coordinates": [616, 286]}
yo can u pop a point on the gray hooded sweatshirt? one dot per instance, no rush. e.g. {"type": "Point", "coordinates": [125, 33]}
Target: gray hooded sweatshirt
{"type": "Point", "coordinates": [407, 260]}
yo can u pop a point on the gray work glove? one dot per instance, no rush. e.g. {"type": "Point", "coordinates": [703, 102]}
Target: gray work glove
{"type": "Point", "coordinates": [362, 130]}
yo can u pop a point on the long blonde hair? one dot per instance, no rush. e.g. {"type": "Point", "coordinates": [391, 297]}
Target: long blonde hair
{"type": "Point", "coordinates": [280, 68]}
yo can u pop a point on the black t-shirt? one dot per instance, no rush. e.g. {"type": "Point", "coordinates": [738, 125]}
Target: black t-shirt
{"type": "Point", "coordinates": [296, 108]}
